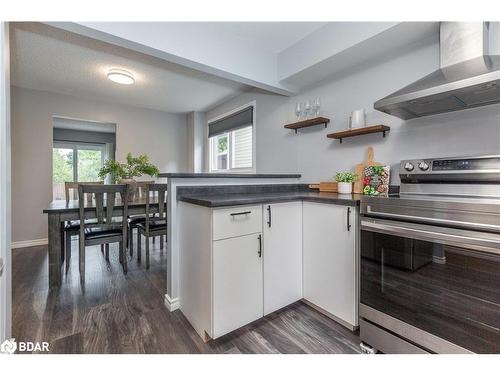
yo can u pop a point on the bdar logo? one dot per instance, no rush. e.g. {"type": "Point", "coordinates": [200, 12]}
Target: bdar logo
{"type": "Point", "coordinates": [9, 346]}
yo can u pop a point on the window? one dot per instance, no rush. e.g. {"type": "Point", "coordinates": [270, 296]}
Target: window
{"type": "Point", "coordinates": [232, 145]}
{"type": "Point", "coordinates": [75, 162]}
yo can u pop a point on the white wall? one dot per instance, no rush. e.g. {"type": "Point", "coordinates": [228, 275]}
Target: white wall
{"type": "Point", "coordinates": [469, 132]}
{"type": "Point", "coordinates": [160, 135]}
{"type": "Point", "coordinates": [196, 123]}
{"type": "Point", "coordinates": [5, 186]}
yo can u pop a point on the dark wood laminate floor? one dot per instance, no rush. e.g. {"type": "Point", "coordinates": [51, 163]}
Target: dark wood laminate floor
{"type": "Point", "coordinates": [120, 313]}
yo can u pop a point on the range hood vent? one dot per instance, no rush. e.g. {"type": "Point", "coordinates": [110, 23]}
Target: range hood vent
{"type": "Point", "coordinates": [468, 76]}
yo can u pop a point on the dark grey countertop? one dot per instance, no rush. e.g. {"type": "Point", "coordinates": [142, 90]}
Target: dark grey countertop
{"type": "Point", "coordinates": [227, 175]}
{"type": "Point", "coordinates": [224, 200]}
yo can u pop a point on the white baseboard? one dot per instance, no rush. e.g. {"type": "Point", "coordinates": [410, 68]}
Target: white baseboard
{"type": "Point", "coordinates": [29, 243]}
{"type": "Point", "coordinates": [172, 303]}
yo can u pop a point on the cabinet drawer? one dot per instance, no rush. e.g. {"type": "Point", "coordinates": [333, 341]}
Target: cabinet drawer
{"type": "Point", "coordinates": [236, 221]}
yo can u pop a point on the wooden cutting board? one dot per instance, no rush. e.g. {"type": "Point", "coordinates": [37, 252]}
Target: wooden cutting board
{"type": "Point", "coordinates": [360, 170]}
{"type": "Point", "coordinates": [328, 187]}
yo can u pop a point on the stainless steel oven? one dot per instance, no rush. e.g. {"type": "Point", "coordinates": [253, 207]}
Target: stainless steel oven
{"type": "Point", "coordinates": [430, 266]}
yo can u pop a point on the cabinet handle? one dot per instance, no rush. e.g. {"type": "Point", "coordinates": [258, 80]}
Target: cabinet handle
{"type": "Point", "coordinates": [269, 216]}
{"type": "Point", "coordinates": [348, 219]}
{"type": "Point", "coordinates": [241, 213]}
{"type": "Point", "coordinates": [260, 246]}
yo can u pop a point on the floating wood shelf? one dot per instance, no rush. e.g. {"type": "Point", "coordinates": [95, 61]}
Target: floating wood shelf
{"type": "Point", "coordinates": [307, 123]}
{"type": "Point", "coordinates": [359, 131]}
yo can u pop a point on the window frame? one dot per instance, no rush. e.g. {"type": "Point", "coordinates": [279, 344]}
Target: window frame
{"type": "Point", "coordinates": [212, 143]}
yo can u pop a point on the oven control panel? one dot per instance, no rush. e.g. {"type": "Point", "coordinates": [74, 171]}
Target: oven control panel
{"type": "Point", "coordinates": [462, 164]}
{"type": "Point", "coordinates": [478, 168]}
{"type": "Point", "coordinates": [422, 166]}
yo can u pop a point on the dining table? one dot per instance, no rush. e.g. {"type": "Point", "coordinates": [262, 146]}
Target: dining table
{"type": "Point", "coordinates": [61, 211]}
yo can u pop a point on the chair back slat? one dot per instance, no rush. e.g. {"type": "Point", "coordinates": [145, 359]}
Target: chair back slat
{"type": "Point", "coordinates": [161, 202]}
{"type": "Point", "coordinates": [110, 205]}
{"type": "Point", "coordinates": [141, 188]}
{"type": "Point", "coordinates": [70, 186]}
{"type": "Point", "coordinates": [99, 207]}
{"type": "Point", "coordinates": [158, 190]}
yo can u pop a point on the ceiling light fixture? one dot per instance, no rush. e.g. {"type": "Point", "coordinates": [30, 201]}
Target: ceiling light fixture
{"type": "Point", "coordinates": [121, 76]}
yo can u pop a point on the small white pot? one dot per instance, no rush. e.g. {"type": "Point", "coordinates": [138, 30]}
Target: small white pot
{"type": "Point", "coordinates": [344, 187]}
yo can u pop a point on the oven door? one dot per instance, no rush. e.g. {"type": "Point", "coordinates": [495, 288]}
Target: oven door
{"type": "Point", "coordinates": [437, 287]}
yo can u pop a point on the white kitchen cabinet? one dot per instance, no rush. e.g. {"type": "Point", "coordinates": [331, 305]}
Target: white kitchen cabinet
{"type": "Point", "coordinates": [221, 267]}
{"type": "Point", "coordinates": [330, 260]}
{"type": "Point", "coordinates": [237, 282]}
{"type": "Point", "coordinates": [282, 258]}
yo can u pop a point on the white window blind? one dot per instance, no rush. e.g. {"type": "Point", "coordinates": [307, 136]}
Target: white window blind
{"type": "Point", "coordinates": [242, 148]}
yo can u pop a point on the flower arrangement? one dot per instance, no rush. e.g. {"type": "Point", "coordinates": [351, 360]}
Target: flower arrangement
{"type": "Point", "coordinates": [134, 167]}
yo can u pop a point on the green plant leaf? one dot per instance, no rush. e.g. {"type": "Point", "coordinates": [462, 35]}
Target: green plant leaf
{"type": "Point", "coordinates": [346, 177]}
{"type": "Point", "coordinates": [134, 167]}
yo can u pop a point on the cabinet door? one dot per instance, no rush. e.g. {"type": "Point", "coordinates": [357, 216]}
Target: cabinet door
{"type": "Point", "coordinates": [282, 255]}
{"type": "Point", "coordinates": [237, 283]}
{"type": "Point", "coordinates": [330, 267]}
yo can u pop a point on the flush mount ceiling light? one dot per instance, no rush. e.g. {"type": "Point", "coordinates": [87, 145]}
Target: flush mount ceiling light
{"type": "Point", "coordinates": [121, 76]}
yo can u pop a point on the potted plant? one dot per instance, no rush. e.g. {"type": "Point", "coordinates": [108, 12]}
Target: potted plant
{"type": "Point", "coordinates": [124, 173]}
{"type": "Point", "coordinates": [344, 182]}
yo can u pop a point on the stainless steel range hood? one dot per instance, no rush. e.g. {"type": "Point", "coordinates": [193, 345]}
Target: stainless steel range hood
{"type": "Point", "coordinates": [468, 76]}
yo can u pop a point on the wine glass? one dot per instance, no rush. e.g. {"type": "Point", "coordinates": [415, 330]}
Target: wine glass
{"type": "Point", "coordinates": [317, 105]}
{"type": "Point", "coordinates": [298, 110]}
{"type": "Point", "coordinates": [307, 109]}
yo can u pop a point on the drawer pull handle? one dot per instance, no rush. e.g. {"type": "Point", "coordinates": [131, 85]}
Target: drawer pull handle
{"type": "Point", "coordinates": [348, 218]}
{"type": "Point", "coordinates": [241, 213]}
{"type": "Point", "coordinates": [260, 246]}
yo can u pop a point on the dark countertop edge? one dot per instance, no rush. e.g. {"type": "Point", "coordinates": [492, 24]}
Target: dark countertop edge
{"type": "Point", "coordinates": [226, 175]}
{"type": "Point", "coordinates": [354, 200]}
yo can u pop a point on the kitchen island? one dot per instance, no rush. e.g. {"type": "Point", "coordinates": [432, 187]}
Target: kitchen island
{"type": "Point", "coordinates": [176, 180]}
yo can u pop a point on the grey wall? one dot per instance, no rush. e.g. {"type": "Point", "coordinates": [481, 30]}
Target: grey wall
{"type": "Point", "coordinates": [469, 132]}
{"type": "Point", "coordinates": [159, 134]}
{"type": "Point", "coordinates": [276, 148]}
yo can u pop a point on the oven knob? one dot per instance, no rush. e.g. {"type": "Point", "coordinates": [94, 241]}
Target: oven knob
{"type": "Point", "coordinates": [409, 167]}
{"type": "Point", "coordinates": [423, 165]}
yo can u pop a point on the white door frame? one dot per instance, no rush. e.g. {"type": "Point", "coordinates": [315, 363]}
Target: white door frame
{"type": "Point", "coordinates": [5, 186]}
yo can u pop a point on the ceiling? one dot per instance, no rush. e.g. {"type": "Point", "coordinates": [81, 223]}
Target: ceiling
{"type": "Point", "coordinates": [50, 59]}
{"type": "Point", "coordinates": [181, 67]}
{"type": "Point", "coordinates": [269, 36]}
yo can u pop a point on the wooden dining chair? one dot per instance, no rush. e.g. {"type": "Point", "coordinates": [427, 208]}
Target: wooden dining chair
{"type": "Point", "coordinates": [156, 225]}
{"type": "Point", "coordinates": [108, 228]}
{"type": "Point", "coordinates": [72, 228]}
{"type": "Point", "coordinates": [140, 192]}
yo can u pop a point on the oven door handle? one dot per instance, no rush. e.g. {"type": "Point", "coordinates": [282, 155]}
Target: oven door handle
{"type": "Point", "coordinates": [371, 211]}
{"type": "Point", "coordinates": [466, 239]}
